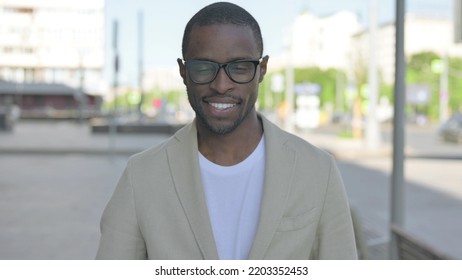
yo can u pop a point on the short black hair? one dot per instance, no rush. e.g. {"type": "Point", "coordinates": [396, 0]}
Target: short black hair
{"type": "Point", "coordinates": [222, 13]}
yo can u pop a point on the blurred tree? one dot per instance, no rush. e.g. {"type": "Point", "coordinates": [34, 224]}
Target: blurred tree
{"type": "Point", "coordinates": [360, 77]}
{"type": "Point", "coordinates": [421, 62]}
{"type": "Point", "coordinates": [332, 83]}
{"type": "Point", "coordinates": [326, 78]}
{"type": "Point", "coordinates": [419, 71]}
{"type": "Point", "coordinates": [455, 84]}
{"type": "Point", "coordinates": [265, 94]}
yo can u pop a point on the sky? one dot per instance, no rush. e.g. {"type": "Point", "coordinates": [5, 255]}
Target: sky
{"type": "Point", "coordinates": [164, 22]}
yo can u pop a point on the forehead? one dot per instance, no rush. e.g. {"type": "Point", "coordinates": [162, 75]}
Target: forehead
{"type": "Point", "coordinates": [222, 42]}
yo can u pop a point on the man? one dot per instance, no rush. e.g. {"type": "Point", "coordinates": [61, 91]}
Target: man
{"type": "Point", "coordinates": [230, 185]}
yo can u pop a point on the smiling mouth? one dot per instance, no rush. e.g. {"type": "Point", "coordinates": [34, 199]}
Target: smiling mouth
{"type": "Point", "coordinates": [222, 106]}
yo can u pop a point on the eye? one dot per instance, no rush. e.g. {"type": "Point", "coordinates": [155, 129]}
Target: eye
{"type": "Point", "coordinates": [202, 68]}
{"type": "Point", "coordinates": [241, 67]}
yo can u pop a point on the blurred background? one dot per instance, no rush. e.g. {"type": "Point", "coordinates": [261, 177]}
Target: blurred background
{"type": "Point", "coordinates": [85, 84]}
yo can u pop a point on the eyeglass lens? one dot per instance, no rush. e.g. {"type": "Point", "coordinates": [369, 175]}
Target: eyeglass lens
{"type": "Point", "coordinates": [203, 72]}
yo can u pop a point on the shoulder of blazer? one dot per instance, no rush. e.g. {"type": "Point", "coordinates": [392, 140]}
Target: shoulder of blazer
{"type": "Point", "coordinates": [280, 139]}
{"type": "Point", "coordinates": [184, 136]}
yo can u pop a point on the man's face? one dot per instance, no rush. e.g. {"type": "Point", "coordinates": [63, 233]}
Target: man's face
{"type": "Point", "coordinates": [222, 105]}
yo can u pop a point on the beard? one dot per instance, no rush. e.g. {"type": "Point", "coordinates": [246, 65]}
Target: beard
{"type": "Point", "coordinates": [219, 128]}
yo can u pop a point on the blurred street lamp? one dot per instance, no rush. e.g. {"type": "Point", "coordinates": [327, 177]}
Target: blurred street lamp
{"type": "Point", "coordinates": [373, 140]}
{"type": "Point", "coordinates": [289, 79]}
{"type": "Point", "coordinates": [140, 63]}
{"type": "Point", "coordinates": [116, 61]}
{"type": "Point", "coordinates": [440, 66]}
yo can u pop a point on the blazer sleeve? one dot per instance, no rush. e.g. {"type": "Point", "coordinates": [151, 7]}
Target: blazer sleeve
{"type": "Point", "coordinates": [336, 238]}
{"type": "Point", "coordinates": [121, 237]}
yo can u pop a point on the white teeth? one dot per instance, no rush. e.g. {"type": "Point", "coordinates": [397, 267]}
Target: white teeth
{"type": "Point", "coordinates": [222, 106]}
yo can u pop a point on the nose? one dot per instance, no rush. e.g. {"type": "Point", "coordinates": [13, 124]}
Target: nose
{"type": "Point", "coordinates": [222, 83]}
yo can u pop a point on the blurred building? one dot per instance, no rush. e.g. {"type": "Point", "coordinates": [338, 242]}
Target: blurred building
{"type": "Point", "coordinates": [45, 100]}
{"type": "Point", "coordinates": [316, 41]}
{"type": "Point", "coordinates": [339, 41]}
{"type": "Point", "coordinates": [324, 42]}
{"type": "Point", "coordinates": [421, 34]}
{"type": "Point", "coordinates": [53, 42]}
{"type": "Point", "coordinates": [163, 79]}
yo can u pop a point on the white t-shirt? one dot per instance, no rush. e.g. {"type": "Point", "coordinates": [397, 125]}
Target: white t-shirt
{"type": "Point", "coordinates": [233, 195]}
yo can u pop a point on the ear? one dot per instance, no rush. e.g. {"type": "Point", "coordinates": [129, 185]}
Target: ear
{"type": "Point", "coordinates": [263, 68]}
{"type": "Point", "coordinates": [182, 69]}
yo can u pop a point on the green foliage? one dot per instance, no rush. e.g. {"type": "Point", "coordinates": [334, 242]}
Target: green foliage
{"type": "Point", "coordinates": [267, 98]}
{"type": "Point", "coordinates": [326, 78]}
{"type": "Point", "coordinates": [422, 61]}
{"type": "Point", "coordinates": [264, 93]}
{"type": "Point", "coordinates": [387, 91]}
{"type": "Point", "coordinates": [455, 84]}
{"type": "Point", "coordinates": [419, 71]}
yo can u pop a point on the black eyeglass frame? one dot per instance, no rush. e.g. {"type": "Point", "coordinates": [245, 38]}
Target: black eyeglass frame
{"type": "Point", "coordinates": [225, 66]}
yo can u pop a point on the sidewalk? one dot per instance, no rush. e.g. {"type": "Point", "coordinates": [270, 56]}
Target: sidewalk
{"type": "Point", "coordinates": [54, 137]}
{"type": "Point", "coordinates": [56, 177]}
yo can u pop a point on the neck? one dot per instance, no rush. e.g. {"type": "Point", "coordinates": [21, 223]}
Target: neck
{"type": "Point", "coordinates": [233, 147]}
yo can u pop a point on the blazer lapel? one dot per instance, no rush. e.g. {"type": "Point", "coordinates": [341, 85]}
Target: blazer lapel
{"type": "Point", "coordinates": [280, 161]}
{"type": "Point", "coordinates": [184, 165]}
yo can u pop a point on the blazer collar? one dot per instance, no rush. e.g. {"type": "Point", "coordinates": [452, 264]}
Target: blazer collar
{"type": "Point", "coordinates": [280, 162]}
{"type": "Point", "coordinates": [184, 164]}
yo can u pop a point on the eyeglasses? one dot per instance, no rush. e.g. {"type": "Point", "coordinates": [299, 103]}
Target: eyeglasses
{"type": "Point", "coordinates": [239, 71]}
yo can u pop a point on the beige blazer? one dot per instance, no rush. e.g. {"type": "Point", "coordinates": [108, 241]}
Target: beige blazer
{"type": "Point", "coordinates": [158, 210]}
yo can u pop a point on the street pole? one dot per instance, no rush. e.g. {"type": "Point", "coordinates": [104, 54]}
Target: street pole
{"type": "Point", "coordinates": [116, 62]}
{"type": "Point", "coordinates": [112, 125]}
{"type": "Point", "coordinates": [289, 121]}
{"type": "Point", "coordinates": [82, 97]}
{"type": "Point", "coordinates": [140, 62]}
{"type": "Point", "coordinates": [397, 179]}
{"type": "Point", "coordinates": [444, 90]}
{"type": "Point", "coordinates": [373, 140]}
{"type": "Point", "coordinates": [339, 91]}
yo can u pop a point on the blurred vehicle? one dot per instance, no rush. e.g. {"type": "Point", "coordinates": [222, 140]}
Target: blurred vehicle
{"type": "Point", "coordinates": [451, 130]}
